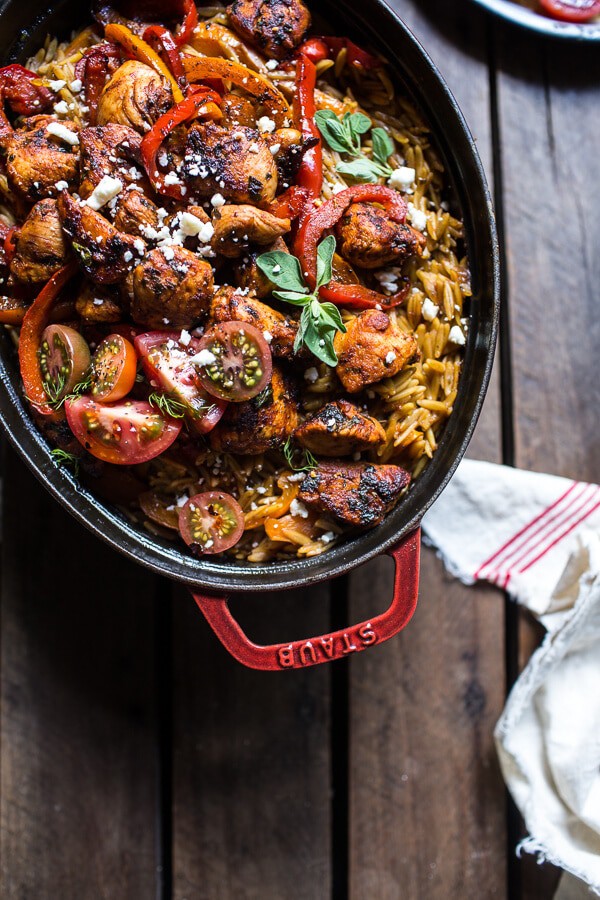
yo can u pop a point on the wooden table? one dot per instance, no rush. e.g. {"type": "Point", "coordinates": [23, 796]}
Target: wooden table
{"type": "Point", "coordinates": [138, 760]}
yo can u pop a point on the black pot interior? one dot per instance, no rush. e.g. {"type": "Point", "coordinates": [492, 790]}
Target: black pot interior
{"type": "Point", "coordinates": [25, 24]}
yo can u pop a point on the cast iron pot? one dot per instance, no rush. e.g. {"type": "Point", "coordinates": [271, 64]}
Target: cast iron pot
{"type": "Point", "coordinates": [211, 579]}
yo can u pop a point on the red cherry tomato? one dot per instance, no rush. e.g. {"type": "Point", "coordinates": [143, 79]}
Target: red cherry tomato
{"type": "Point", "coordinates": [64, 360]}
{"type": "Point", "coordinates": [120, 433]}
{"type": "Point", "coordinates": [114, 367]}
{"type": "Point", "coordinates": [166, 362]}
{"type": "Point", "coordinates": [211, 522]}
{"type": "Point", "coordinates": [234, 361]}
{"type": "Point", "coordinates": [571, 10]}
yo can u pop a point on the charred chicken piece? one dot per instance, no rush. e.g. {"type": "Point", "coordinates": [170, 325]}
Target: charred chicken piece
{"type": "Point", "coordinates": [276, 27]}
{"type": "Point", "coordinates": [104, 253]}
{"type": "Point", "coordinates": [36, 160]}
{"type": "Point", "coordinates": [257, 425]}
{"type": "Point", "coordinates": [135, 213]}
{"type": "Point", "coordinates": [339, 429]}
{"type": "Point", "coordinates": [248, 275]}
{"type": "Point", "coordinates": [230, 306]}
{"type": "Point", "coordinates": [287, 147]}
{"type": "Point", "coordinates": [235, 162]}
{"type": "Point", "coordinates": [171, 289]}
{"type": "Point", "coordinates": [369, 239]}
{"type": "Point", "coordinates": [96, 305]}
{"type": "Point", "coordinates": [136, 96]}
{"type": "Point", "coordinates": [358, 494]}
{"type": "Point", "coordinates": [109, 150]}
{"type": "Point", "coordinates": [236, 227]}
{"type": "Point", "coordinates": [237, 111]}
{"type": "Point", "coordinates": [41, 248]}
{"type": "Point", "coordinates": [372, 348]}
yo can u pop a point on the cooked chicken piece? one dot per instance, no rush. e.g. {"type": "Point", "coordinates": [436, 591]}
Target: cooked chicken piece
{"type": "Point", "coordinates": [372, 348]}
{"type": "Point", "coordinates": [255, 426]}
{"type": "Point", "coordinates": [237, 111]}
{"type": "Point", "coordinates": [136, 214]}
{"type": "Point", "coordinates": [234, 162]}
{"type": "Point", "coordinates": [36, 161]}
{"type": "Point", "coordinates": [96, 305]}
{"type": "Point", "coordinates": [276, 27]}
{"type": "Point", "coordinates": [104, 253]}
{"type": "Point", "coordinates": [248, 275]}
{"type": "Point", "coordinates": [136, 96]}
{"type": "Point", "coordinates": [358, 494]}
{"type": "Point", "coordinates": [171, 289]}
{"type": "Point", "coordinates": [339, 429]}
{"type": "Point", "coordinates": [287, 147]}
{"type": "Point", "coordinates": [236, 227]}
{"type": "Point", "coordinates": [109, 150]}
{"type": "Point", "coordinates": [228, 305]}
{"type": "Point", "coordinates": [369, 239]}
{"type": "Point", "coordinates": [40, 245]}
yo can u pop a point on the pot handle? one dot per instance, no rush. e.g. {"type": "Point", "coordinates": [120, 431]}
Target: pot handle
{"type": "Point", "coordinates": [327, 647]}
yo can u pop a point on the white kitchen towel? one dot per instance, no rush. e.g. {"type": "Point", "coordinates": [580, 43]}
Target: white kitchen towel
{"type": "Point", "coordinates": [538, 537]}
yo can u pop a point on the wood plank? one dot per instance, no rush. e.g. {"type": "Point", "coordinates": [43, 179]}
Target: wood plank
{"type": "Point", "coordinates": [427, 810]}
{"type": "Point", "coordinates": [78, 772]}
{"type": "Point", "coordinates": [548, 101]}
{"type": "Point", "coordinates": [251, 807]}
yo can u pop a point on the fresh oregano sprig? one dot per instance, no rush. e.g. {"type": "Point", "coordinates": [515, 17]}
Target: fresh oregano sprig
{"type": "Point", "coordinates": [344, 135]}
{"type": "Point", "coordinates": [319, 322]}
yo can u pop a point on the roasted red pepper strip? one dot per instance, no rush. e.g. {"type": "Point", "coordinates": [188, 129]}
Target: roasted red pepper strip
{"type": "Point", "coordinates": [136, 48]}
{"type": "Point", "coordinates": [9, 248]}
{"type": "Point", "coordinates": [189, 23]}
{"type": "Point", "coordinates": [321, 220]}
{"type": "Point", "coordinates": [161, 40]}
{"type": "Point", "coordinates": [190, 108]}
{"type": "Point", "coordinates": [319, 48]}
{"type": "Point", "coordinates": [94, 69]}
{"type": "Point", "coordinates": [290, 204]}
{"type": "Point", "coordinates": [35, 320]}
{"type": "Point", "coordinates": [19, 90]}
{"type": "Point", "coordinates": [310, 173]}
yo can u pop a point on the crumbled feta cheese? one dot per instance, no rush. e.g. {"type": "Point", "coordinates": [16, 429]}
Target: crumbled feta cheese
{"type": "Point", "coordinates": [185, 338]}
{"type": "Point", "coordinates": [276, 269]}
{"type": "Point", "coordinates": [253, 148]}
{"type": "Point", "coordinates": [311, 375]}
{"type": "Point", "coordinates": [76, 85]}
{"type": "Point", "coordinates": [97, 301]}
{"type": "Point", "coordinates": [390, 358]}
{"type": "Point", "coordinates": [297, 476]}
{"type": "Point", "coordinates": [139, 246]}
{"type": "Point", "coordinates": [168, 253]}
{"type": "Point", "coordinates": [56, 85]}
{"type": "Point", "coordinates": [106, 190]}
{"type": "Point", "coordinates": [402, 177]}
{"type": "Point", "coordinates": [271, 64]}
{"type": "Point", "coordinates": [330, 422]}
{"type": "Point", "coordinates": [267, 336]}
{"type": "Point", "coordinates": [190, 224]}
{"type": "Point", "coordinates": [298, 509]}
{"type": "Point", "coordinates": [217, 200]}
{"type": "Point", "coordinates": [275, 148]}
{"type": "Point", "coordinates": [417, 217]}
{"type": "Point", "coordinates": [206, 232]}
{"type": "Point", "coordinates": [204, 358]}
{"type": "Point", "coordinates": [63, 133]}
{"type": "Point", "coordinates": [62, 185]}
{"type": "Point", "coordinates": [172, 178]}
{"type": "Point", "coordinates": [61, 108]}
{"type": "Point", "coordinates": [266, 125]}
{"type": "Point", "coordinates": [328, 537]}
{"type": "Point", "coordinates": [181, 501]}
{"type": "Point", "coordinates": [128, 256]}
{"type": "Point", "coordinates": [337, 188]}
{"type": "Point", "coordinates": [429, 310]}
{"type": "Point", "coordinates": [457, 336]}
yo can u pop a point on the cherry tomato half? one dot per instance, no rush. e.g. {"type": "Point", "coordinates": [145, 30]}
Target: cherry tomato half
{"type": "Point", "coordinates": [120, 433]}
{"type": "Point", "coordinates": [64, 360]}
{"type": "Point", "coordinates": [168, 367]}
{"type": "Point", "coordinates": [113, 369]}
{"type": "Point", "coordinates": [211, 522]}
{"type": "Point", "coordinates": [571, 10]}
{"type": "Point", "coordinates": [234, 361]}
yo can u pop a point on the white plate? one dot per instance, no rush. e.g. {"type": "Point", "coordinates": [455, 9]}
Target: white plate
{"type": "Point", "coordinates": [530, 19]}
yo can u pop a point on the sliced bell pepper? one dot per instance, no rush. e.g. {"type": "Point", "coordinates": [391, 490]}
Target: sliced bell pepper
{"type": "Point", "coordinates": [202, 68]}
{"type": "Point", "coordinates": [310, 172]}
{"type": "Point", "coordinates": [136, 48]}
{"type": "Point", "coordinates": [279, 507]}
{"type": "Point", "coordinates": [319, 48]}
{"type": "Point", "coordinates": [315, 224]}
{"type": "Point", "coordinates": [35, 320]}
{"type": "Point", "coordinates": [94, 69]}
{"type": "Point", "coordinates": [290, 204]}
{"type": "Point", "coordinates": [190, 21]}
{"type": "Point", "coordinates": [23, 91]}
{"type": "Point", "coordinates": [202, 101]}
{"type": "Point", "coordinates": [161, 40]}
